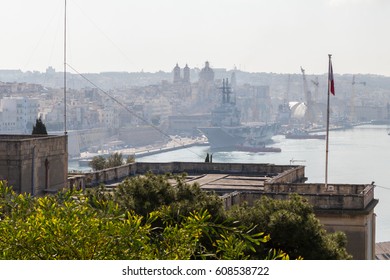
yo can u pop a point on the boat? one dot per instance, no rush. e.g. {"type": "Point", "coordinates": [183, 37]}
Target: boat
{"type": "Point", "coordinates": [253, 149]}
{"type": "Point", "coordinates": [227, 131]}
{"type": "Point", "coordinates": [303, 134]}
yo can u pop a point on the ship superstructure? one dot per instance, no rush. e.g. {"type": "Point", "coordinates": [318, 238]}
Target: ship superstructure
{"type": "Point", "coordinates": [227, 131]}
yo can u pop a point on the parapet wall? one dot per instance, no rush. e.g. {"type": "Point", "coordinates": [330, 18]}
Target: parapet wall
{"type": "Point", "coordinates": [282, 182]}
{"type": "Point", "coordinates": [340, 207]}
{"type": "Point", "coordinates": [282, 173]}
{"type": "Point", "coordinates": [206, 167]}
{"type": "Point", "coordinates": [342, 197]}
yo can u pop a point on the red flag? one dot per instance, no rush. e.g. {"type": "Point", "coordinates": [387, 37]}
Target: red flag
{"type": "Point", "coordinates": [330, 78]}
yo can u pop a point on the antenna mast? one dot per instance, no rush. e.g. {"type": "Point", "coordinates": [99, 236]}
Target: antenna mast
{"type": "Point", "coordinates": [65, 132]}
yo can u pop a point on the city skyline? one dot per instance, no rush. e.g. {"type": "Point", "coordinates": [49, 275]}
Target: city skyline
{"type": "Point", "coordinates": [254, 36]}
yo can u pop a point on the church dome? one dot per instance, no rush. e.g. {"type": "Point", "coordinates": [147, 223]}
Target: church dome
{"type": "Point", "coordinates": [206, 74]}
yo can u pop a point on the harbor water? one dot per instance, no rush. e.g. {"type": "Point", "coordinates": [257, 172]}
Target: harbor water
{"type": "Point", "coordinates": [359, 155]}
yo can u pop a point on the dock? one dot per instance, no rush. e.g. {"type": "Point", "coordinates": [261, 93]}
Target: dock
{"type": "Point", "coordinates": [139, 152]}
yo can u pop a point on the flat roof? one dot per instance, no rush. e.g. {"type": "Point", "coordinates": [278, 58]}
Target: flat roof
{"type": "Point", "coordinates": [228, 182]}
{"type": "Point", "coordinates": [382, 251]}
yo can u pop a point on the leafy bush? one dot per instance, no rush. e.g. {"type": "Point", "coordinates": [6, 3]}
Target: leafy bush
{"type": "Point", "coordinates": [68, 226]}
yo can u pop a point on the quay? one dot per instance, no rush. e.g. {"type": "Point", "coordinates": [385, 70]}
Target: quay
{"type": "Point", "coordinates": [138, 152]}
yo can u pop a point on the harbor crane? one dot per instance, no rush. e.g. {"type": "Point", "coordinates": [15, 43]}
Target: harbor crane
{"type": "Point", "coordinates": [309, 103]}
{"type": "Point", "coordinates": [316, 85]}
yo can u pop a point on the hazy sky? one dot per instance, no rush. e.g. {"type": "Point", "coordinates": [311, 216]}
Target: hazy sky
{"type": "Point", "coordinates": [254, 35]}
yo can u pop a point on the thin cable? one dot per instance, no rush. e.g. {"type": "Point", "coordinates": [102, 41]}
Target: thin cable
{"type": "Point", "coordinates": [386, 188]}
{"type": "Point", "coordinates": [103, 33]}
{"type": "Point", "coordinates": [43, 36]}
{"type": "Point", "coordinates": [131, 112]}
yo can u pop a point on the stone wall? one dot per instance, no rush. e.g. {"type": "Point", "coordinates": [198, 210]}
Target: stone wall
{"type": "Point", "coordinates": [348, 208]}
{"type": "Point", "coordinates": [231, 168]}
{"type": "Point", "coordinates": [340, 207]}
{"type": "Point", "coordinates": [339, 196]}
{"type": "Point", "coordinates": [292, 173]}
{"type": "Point", "coordinates": [34, 163]}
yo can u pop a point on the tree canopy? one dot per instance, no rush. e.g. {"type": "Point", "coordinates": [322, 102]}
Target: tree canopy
{"type": "Point", "coordinates": [293, 228]}
{"type": "Point", "coordinates": [113, 160]}
{"type": "Point", "coordinates": [68, 226]}
{"type": "Point", "coordinates": [39, 127]}
{"type": "Point", "coordinates": [159, 217]}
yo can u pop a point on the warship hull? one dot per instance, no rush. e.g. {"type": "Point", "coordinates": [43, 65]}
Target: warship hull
{"type": "Point", "coordinates": [226, 130]}
{"type": "Point", "coordinates": [239, 136]}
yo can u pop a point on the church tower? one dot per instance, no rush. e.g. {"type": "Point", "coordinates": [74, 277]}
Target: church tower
{"type": "Point", "coordinates": [186, 74]}
{"type": "Point", "coordinates": [176, 74]}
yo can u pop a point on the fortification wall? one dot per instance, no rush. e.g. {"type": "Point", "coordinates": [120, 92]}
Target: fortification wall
{"type": "Point", "coordinates": [34, 163]}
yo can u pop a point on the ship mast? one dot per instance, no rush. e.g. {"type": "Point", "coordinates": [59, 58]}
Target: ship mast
{"type": "Point", "coordinates": [226, 91]}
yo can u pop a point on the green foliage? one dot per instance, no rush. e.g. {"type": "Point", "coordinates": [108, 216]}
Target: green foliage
{"type": "Point", "coordinates": [98, 163]}
{"type": "Point", "coordinates": [130, 159]}
{"type": "Point", "coordinates": [159, 217]}
{"type": "Point", "coordinates": [39, 127]}
{"type": "Point", "coordinates": [68, 226]}
{"type": "Point", "coordinates": [293, 227]}
{"type": "Point", "coordinates": [113, 160]}
{"type": "Point", "coordinates": [144, 194]}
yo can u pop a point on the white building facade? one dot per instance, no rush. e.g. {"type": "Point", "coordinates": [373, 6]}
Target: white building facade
{"type": "Point", "coordinates": [18, 114]}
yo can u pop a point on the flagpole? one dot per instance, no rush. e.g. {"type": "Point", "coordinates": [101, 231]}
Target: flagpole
{"type": "Point", "coordinates": [65, 131]}
{"type": "Point", "coordinates": [327, 125]}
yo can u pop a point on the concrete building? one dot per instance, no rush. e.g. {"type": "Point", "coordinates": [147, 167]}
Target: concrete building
{"type": "Point", "coordinates": [340, 207]}
{"type": "Point", "coordinates": [109, 117]}
{"type": "Point", "coordinates": [18, 114]}
{"type": "Point", "coordinates": [159, 108]}
{"type": "Point", "coordinates": [34, 164]}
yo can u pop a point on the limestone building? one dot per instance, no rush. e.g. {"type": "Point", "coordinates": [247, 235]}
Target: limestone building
{"type": "Point", "coordinates": [35, 164]}
{"type": "Point", "coordinates": [206, 86]}
{"type": "Point", "coordinates": [341, 207]}
{"type": "Point", "coordinates": [18, 114]}
{"type": "Point", "coordinates": [177, 78]}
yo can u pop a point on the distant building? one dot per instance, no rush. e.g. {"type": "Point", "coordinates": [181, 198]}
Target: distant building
{"type": "Point", "coordinates": [206, 86]}
{"type": "Point", "coordinates": [18, 114]}
{"type": "Point", "coordinates": [177, 78]}
{"type": "Point", "coordinates": [176, 74]}
{"type": "Point", "coordinates": [50, 70]}
{"type": "Point", "coordinates": [206, 74]}
{"type": "Point", "coordinates": [233, 81]}
{"type": "Point", "coordinates": [186, 74]}
{"type": "Point", "coordinates": [255, 103]}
